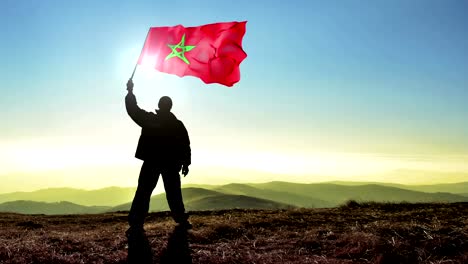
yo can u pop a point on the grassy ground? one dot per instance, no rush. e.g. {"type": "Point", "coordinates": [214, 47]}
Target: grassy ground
{"type": "Point", "coordinates": [354, 233]}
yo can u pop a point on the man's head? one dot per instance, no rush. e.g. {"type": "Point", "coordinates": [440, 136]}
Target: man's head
{"type": "Point", "coordinates": [165, 104]}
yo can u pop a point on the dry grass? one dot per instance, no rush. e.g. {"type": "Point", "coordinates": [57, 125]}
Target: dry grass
{"type": "Point", "coordinates": [352, 233]}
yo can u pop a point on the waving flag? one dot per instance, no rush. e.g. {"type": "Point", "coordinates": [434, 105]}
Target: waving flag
{"type": "Point", "coordinates": [210, 52]}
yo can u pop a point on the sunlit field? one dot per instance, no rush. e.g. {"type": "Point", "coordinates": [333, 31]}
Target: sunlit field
{"type": "Point", "coordinates": [352, 233]}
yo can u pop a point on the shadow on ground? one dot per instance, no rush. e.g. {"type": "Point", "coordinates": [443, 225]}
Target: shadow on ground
{"type": "Point", "coordinates": [177, 250]}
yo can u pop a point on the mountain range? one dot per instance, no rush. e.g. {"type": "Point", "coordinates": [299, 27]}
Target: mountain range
{"type": "Point", "coordinates": [457, 188]}
{"type": "Point", "coordinates": [110, 196]}
{"type": "Point", "coordinates": [196, 199]}
{"type": "Point", "coordinates": [32, 207]}
{"type": "Point", "coordinates": [271, 195]}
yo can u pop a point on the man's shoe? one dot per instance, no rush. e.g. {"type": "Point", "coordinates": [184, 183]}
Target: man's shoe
{"type": "Point", "coordinates": [133, 232]}
{"type": "Point", "coordinates": [185, 225]}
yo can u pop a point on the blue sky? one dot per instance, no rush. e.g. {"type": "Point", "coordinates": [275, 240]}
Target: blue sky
{"type": "Point", "coordinates": [365, 77]}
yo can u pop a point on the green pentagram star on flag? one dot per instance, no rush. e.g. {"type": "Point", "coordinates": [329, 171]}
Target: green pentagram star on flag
{"type": "Point", "coordinates": [179, 50]}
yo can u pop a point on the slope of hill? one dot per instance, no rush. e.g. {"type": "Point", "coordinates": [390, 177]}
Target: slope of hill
{"type": "Point", "coordinates": [43, 195]}
{"type": "Point", "coordinates": [230, 201]}
{"type": "Point", "coordinates": [203, 186]}
{"type": "Point", "coordinates": [198, 199]}
{"type": "Point", "coordinates": [110, 196]}
{"type": "Point", "coordinates": [358, 183]}
{"type": "Point", "coordinates": [337, 194]}
{"type": "Point", "coordinates": [190, 194]}
{"type": "Point", "coordinates": [30, 207]}
{"type": "Point", "coordinates": [456, 188]}
{"type": "Point", "coordinates": [277, 196]}
{"type": "Point", "coordinates": [159, 203]}
{"type": "Point", "coordinates": [262, 195]}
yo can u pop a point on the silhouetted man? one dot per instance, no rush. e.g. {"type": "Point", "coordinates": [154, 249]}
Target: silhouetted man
{"type": "Point", "coordinates": [164, 147]}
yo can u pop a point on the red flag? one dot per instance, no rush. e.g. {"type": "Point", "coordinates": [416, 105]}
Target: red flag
{"type": "Point", "coordinates": [210, 52]}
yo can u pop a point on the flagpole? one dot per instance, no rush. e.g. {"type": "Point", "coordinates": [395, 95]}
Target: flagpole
{"type": "Point", "coordinates": [136, 64]}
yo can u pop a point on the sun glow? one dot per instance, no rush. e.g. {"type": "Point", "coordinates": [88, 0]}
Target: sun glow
{"type": "Point", "coordinates": [149, 83]}
{"type": "Point", "coordinates": [58, 162]}
{"type": "Point", "coordinates": [42, 156]}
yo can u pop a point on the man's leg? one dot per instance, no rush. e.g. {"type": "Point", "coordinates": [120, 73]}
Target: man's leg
{"type": "Point", "coordinates": [147, 180]}
{"type": "Point", "coordinates": [172, 186]}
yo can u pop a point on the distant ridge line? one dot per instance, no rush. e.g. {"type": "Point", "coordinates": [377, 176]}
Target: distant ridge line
{"type": "Point", "coordinates": [270, 195]}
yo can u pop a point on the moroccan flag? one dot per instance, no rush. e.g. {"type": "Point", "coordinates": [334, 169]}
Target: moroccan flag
{"type": "Point", "coordinates": [210, 52]}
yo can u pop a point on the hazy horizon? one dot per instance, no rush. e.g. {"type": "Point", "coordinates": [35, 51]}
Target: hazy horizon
{"type": "Point", "coordinates": [368, 91]}
{"type": "Point", "coordinates": [159, 189]}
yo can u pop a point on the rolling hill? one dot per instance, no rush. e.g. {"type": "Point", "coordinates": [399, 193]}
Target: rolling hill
{"type": "Point", "coordinates": [198, 199]}
{"type": "Point", "coordinates": [110, 196]}
{"type": "Point", "coordinates": [229, 201]}
{"type": "Point", "coordinates": [271, 195]}
{"type": "Point", "coordinates": [338, 194]}
{"type": "Point", "coordinates": [58, 208]}
{"type": "Point", "coordinates": [158, 202]}
{"type": "Point", "coordinates": [456, 188]}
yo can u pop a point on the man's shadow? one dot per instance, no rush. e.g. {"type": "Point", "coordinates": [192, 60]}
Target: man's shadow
{"type": "Point", "coordinates": [139, 249]}
{"type": "Point", "coordinates": [177, 250]}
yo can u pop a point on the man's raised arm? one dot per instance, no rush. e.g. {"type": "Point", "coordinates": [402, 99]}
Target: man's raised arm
{"type": "Point", "coordinates": [140, 116]}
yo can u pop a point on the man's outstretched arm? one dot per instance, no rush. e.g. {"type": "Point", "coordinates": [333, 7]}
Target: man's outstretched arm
{"type": "Point", "coordinates": [140, 116]}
